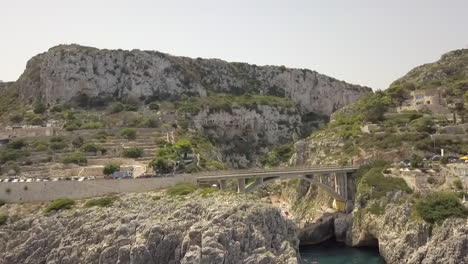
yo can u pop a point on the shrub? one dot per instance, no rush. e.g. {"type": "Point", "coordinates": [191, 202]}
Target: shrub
{"type": "Point", "coordinates": [436, 207]}
{"type": "Point", "coordinates": [101, 202]}
{"type": "Point", "coordinates": [60, 204]}
{"type": "Point", "coordinates": [10, 154]}
{"type": "Point", "coordinates": [92, 125]}
{"type": "Point", "coordinates": [57, 145]}
{"type": "Point", "coordinates": [431, 180]}
{"type": "Point", "coordinates": [16, 117]}
{"type": "Point", "coordinates": [181, 189]}
{"type": "Point", "coordinates": [154, 106]}
{"type": "Point", "coordinates": [205, 191]}
{"type": "Point", "coordinates": [77, 142]}
{"type": "Point", "coordinates": [458, 184]}
{"type": "Point", "coordinates": [90, 147]}
{"type": "Point", "coordinates": [77, 158]}
{"type": "Point", "coordinates": [37, 120]}
{"type": "Point", "coordinates": [60, 107]}
{"type": "Point", "coordinates": [39, 108]}
{"type": "Point", "coordinates": [17, 144]}
{"type": "Point", "coordinates": [40, 145]}
{"type": "Point", "coordinates": [375, 185]}
{"type": "Point", "coordinates": [3, 219]}
{"type": "Point", "coordinates": [416, 161]}
{"type": "Point", "coordinates": [128, 133]}
{"type": "Point", "coordinates": [101, 135]}
{"type": "Point", "coordinates": [73, 125]}
{"type": "Point", "coordinates": [133, 152]}
{"type": "Point", "coordinates": [278, 155]}
{"type": "Point", "coordinates": [2, 203]}
{"type": "Point", "coordinates": [69, 115]}
{"type": "Point", "coordinates": [116, 107]}
{"type": "Point", "coordinates": [376, 209]}
{"type": "Point", "coordinates": [423, 124]}
{"type": "Point", "coordinates": [110, 168]}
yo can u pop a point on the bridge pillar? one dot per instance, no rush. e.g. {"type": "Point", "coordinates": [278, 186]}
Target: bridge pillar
{"type": "Point", "coordinates": [223, 184]}
{"type": "Point", "coordinates": [241, 185]}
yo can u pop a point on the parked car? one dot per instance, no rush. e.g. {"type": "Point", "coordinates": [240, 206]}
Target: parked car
{"type": "Point", "coordinates": [82, 179]}
{"type": "Point", "coordinates": [55, 179]}
{"type": "Point", "coordinates": [91, 178]}
{"type": "Point", "coordinates": [15, 180]}
{"type": "Point", "coordinates": [29, 180]}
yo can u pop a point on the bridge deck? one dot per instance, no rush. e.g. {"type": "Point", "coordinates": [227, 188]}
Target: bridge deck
{"type": "Point", "coordinates": [291, 172]}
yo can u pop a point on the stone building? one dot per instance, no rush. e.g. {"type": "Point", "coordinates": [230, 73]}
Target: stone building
{"type": "Point", "coordinates": [430, 100]}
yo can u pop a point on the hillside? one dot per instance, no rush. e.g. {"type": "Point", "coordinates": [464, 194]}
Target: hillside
{"type": "Point", "coordinates": [420, 113]}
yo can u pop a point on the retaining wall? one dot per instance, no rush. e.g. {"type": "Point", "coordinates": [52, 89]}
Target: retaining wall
{"type": "Point", "coordinates": [46, 191]}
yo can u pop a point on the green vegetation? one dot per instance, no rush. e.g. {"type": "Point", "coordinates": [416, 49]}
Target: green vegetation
{"type": "Point", "coordinates": [39, 108]}
{"type": "Point", "coordinates": [372, 184]}
{"type": "Point", "coordinates": [101, 135]}
{"type": "Point", "coordinates": [118, 107]}
{"type": "Point", "coordinates": [154, 106]}
{"type": "Point", "coordinates": [376, 209]}
{"type": "Point", "coordinates": [133, 152]}
{"type": "Point", "coordinates": [11, 155]}
{"type": "Point", "coordinates": [60, 108]}
{"type": "Point", "coordinates": [2, 203]}
{"type": "Point", "coordinates": [436, 207]}
{"type": "Point", "coordinates": [111, 168]}
{"type": "Point", "coordinates": [206, 191]}
{"type": "Point", "coordinates": [181, 189]}
{"type": "Point", "coordinates": [101, 202]}
{"type": "Point", "coordinates": [9, 100]}
{"type": "Point", "coordinates": [458, 184]}
{"type": "Point", "coordinates": [90, 147]}
{"type": "Point", "coordinates": [3, 219]}
{"type": "Point", "coordinates": [60, 204]}
{"type": "Point", "coordinates": [40, 145]}
{"type": "Point", "coordinates": [279, 155]}
{"type": "Point", "coordinates": [17, 144]}
{"type": "Point", "coordinates": [225, 102]}
{"type": "Point", "coordinates": [77, 158]}
{"type": "Point", "coordinates": [128, 133]}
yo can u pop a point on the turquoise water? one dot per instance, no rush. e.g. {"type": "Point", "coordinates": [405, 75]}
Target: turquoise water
{"type": "Point", "coordinates": [333, 253]}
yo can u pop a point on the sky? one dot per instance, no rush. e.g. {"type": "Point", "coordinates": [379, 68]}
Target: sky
{"type": "Point", "coordinates": [366, 42]}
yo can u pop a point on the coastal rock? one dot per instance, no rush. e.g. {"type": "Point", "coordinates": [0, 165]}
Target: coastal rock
{"type": "Point", "coordinates": [137, 229]}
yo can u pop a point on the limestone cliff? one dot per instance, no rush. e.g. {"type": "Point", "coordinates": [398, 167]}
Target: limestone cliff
{"type": "Point", "coordinates": [139, 229]}
{"type": "Point", "coordinates": [68, 72]}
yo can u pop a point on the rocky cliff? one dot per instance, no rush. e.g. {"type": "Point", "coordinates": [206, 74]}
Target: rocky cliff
{"type": "Point", "coordinates": [69, 72]}
{"type": "Point", "coordinates": [222, 228]}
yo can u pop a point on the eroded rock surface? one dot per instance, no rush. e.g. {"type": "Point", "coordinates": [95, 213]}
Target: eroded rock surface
{"type": "Point", "coordinates": [137, 229]}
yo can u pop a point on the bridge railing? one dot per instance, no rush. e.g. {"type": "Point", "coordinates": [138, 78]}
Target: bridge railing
{"type": "Point", "coordinates": [286, 169]}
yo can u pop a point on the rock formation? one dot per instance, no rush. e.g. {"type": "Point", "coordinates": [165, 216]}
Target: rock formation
{"type": "Point", "coordinates": [68, 72]}
{"type": "Point", "coordinates": [139, 229]}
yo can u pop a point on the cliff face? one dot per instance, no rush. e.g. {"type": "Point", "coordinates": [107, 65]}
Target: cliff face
{"type": "Point", "coordinates": [66, 72]}
{"type": "Point", "coordinates": [244, 132]}
{"type": "Point", "coordinates": [138, 229]}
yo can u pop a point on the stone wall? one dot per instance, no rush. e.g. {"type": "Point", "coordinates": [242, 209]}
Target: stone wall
{"type": "Point", "coordinates": [46, 191]}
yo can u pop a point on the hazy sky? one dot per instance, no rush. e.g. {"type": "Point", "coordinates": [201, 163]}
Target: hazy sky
{"type": "Point", "coordinates": [368, 42]}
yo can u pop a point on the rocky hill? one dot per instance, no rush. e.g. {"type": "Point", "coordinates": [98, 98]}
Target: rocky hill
{"type": "Point", "coordinates": [72, 72]}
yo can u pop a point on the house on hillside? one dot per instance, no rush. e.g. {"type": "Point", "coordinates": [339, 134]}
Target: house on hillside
{"type": "Point", "coordinates": [430, 100]}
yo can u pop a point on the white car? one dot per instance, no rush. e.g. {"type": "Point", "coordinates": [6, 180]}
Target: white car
{"type": "Point", "coordinates": [91, 178]}
{"type": "Point", "coordinates": [74, 178]}
{"type": "Point", "coordinates": [81, 179]}
{"type": "Point", "coordinates": [29, 180]}
{"type": "Point", "coordinates": [22, 180]}
{"type": "Point", "coordinates": [15, 180]}
{"type": "Point", "coordinates": [38, 180]}
{"type": "Point", "coordinates": [55, 179]}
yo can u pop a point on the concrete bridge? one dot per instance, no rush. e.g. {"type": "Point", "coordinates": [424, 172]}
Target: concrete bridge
{"type": "Point", "coordinates": [333, 179]}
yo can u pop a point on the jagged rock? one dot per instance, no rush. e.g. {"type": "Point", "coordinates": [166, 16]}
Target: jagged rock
{"type": "Point", "coordinates": [223, 228]}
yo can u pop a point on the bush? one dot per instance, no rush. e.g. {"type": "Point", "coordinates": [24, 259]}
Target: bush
{"type": "Point", "coordinates": [101, 202]}
{"type": "Point", "coordinates": [181, 189]}
{"type": "Point", "coordinates": [57, 145]}
{"type": "Point", "coordinates": [77, 142]}
{"type": "Point", "coordinates": [128, 133]}
{"type": "Point", "coordinates": [101, 135]}
{"type": "Point", "coordinates": [110, 168]}
{"type": "Point", "coordinates": [278, 155]}
{"type": "Point", "coordinates": [375, 185]}
{"type": "Point", "coordinates": [154, 106]}
{"type": "Point", "coordinates": [60, 204]}
{"type": "Point", "coordinates": [39, 108]}
{"type": "Point", "coordinates": [40, 145]}
{"type": "Point", "coordinates": [133, 152]}
{"type": "Point", "coordinates": [205, 191]}
{"type": "Point", "coordinates": [416, 161]}
{"type": "Point", "coordinates": [3, 219]}
{"type": "Point", "coordinates": [376, 209]}
{"type": "Point", "coordinates": [436, 207]}
{"type": "Point", "coordinates": [2, 203]}
{"type": "Point", "coordinates": [10, 155]}
{"type": "Point", "coordinates": [117, 107]}
{"type": "Point", "coordinates": [16, 117]}
{"type": "Point", "coordinates": [431, 180]}
{"type": "Point", "coordinates": [92, 125]}
{"type": "Point", "coordinates": [17, 144]}
{"type": "Point", "coordinates": [60, 107]}
{"type": "Point", "coordinates": [90, 147]}
{"type": "Point", "coordinates": [77, 158]}
{"type": "Point", "coordinates": [73, 125]}
{"type": "Point", "coordinates": [458, 184]}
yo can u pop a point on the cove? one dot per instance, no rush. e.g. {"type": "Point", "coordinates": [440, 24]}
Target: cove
{"type": "Point", "coordinates": [332, 252]}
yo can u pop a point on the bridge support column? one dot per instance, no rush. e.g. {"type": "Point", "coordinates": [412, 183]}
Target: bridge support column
{"type": "Point", "coordinates": [222, 184]}
{"type": "Point", "coordinates": [241, 185]}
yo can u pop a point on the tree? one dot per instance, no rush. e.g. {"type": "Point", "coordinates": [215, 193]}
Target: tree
{"type": "Point", "coordinates": [111, 168]}
{"type": "Point", "coordinates": [398, 94]}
